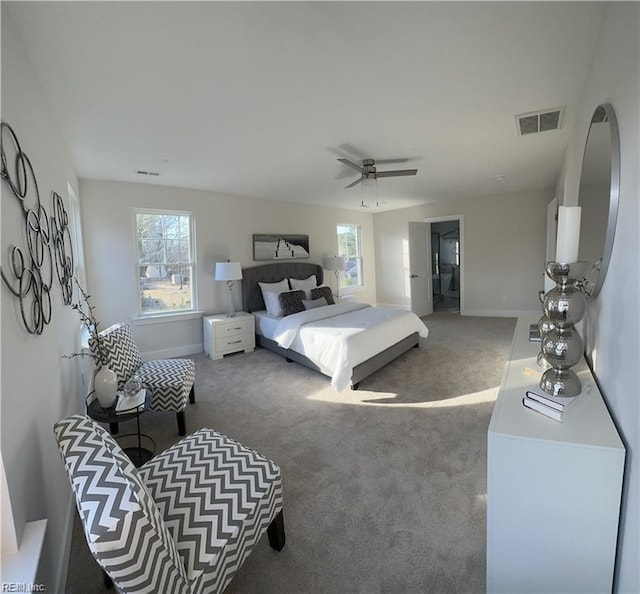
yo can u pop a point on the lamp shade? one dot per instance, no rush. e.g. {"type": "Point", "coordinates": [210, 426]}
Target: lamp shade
{"type": "Point", "coordinates": [335, 263]}
{"type": "Point", "coordinates": [228, 271]}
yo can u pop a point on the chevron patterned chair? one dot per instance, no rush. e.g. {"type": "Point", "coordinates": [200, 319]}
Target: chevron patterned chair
{"type": "Point", "coordinates": [170, 380]}
{"type": "Point", "coordinates": [181, 524]}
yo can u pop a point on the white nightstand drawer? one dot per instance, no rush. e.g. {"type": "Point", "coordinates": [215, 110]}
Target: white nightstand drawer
{"type": "Point", "coordinates": [234, 343]}
{"type": "Point", "coordinates": [239, 326]}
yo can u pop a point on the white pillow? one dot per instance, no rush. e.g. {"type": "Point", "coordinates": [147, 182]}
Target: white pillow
{"type": "Point", "coordinates": [304, 285]}
{"type": "Point", "coordinates": [270, 292]}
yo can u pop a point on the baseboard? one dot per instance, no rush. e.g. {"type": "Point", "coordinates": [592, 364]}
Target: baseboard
{"type": "Point", "coordinates": [500, 313]}
{"type": "Point", "coordinates": [483, 313]}
{"type": "Point", "coordinates": [183, 351]}
{"type": "Point", "coordinates": [394, 306]}
{"type": "Point", "coordinates": [63, 564]}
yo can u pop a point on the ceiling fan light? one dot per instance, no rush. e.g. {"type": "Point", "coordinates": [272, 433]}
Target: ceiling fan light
{"type": "Point", "coordinates": [369, 190]}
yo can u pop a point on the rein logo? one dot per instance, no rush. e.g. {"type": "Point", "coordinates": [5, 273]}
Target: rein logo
{"type": "Point", "coordinates": [22, 587]}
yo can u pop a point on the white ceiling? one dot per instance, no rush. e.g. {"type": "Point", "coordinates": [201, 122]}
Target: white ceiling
{"type": "Point", "coordinates": [260, 99]}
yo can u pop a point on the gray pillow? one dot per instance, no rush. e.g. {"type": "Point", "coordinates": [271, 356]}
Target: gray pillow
{"type": "Point", "coordinates": [320, 302]}
{"type": "Point", "coordinates": [291, 302]}
{"type": "Point", "coordinates": [323, 292]}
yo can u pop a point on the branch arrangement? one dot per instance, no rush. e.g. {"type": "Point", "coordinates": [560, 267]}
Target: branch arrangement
{"type": "Point", "coordinates": [87, 316]}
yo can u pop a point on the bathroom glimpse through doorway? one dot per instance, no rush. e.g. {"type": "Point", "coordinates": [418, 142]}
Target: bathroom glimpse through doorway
{"type": "Point", "coordinates": [445, 266]}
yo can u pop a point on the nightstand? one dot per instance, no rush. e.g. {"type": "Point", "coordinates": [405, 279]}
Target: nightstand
{"type": "Point", "coordinates": [224, 335]}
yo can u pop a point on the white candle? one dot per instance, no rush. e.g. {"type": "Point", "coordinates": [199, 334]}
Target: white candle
{"type": "Point", "coordinates": [568, 238]}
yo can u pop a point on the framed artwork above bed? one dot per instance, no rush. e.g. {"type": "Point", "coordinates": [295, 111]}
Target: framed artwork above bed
{"type": "Point", "coordinates": [276, 246]}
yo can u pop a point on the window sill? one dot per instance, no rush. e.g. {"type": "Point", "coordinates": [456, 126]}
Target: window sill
{"type": "Point", "coordinates": [166, 318]}
{"type": "Point", "coordinates": [347, 290]}
{"type": "Point", "coordinates": [21, 566]}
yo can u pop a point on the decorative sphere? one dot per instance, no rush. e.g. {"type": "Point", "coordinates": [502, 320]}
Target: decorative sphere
{"type": "Point", "coordinates": [132, 386]}
{"type": "Point", "coordinates": [564, 305]}
{"type": "Point", "coordinates": [562, 348]}
{"type": "Point", "coordinates": [545, 325]}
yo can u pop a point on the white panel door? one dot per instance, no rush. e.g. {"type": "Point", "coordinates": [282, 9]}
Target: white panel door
{"type": "Point", "coordinates": [420, 268]}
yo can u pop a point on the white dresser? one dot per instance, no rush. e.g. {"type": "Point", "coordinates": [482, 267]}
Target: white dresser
{"type": "Point", "coordinates": [553, 489]}
{"type": "Point", "coordinates": [224, 335]}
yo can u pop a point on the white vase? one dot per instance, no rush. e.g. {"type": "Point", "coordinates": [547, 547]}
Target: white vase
{"type": "Point", "coordinates": [105, 385]}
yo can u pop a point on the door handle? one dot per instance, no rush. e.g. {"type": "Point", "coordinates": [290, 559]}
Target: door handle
{"type": "Point", "coordinates": [413, 276]}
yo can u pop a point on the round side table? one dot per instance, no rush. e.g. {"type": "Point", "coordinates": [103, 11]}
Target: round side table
{"type": "Point", "coordinates": [137, 453]}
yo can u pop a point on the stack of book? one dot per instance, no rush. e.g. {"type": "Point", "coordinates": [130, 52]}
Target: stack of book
{"type": "Point", "coordinates": [534, 333]}
{"type": "Point", "coordinates": [554, 407]}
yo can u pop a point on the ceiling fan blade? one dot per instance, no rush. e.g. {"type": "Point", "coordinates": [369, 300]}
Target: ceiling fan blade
{"type": "Point", "coordinates": [391, 161]}
{"type": "Point", "coordinates": [347, 162]}
{"type": "Point", "coordinates": [355, 183]}
{"type": "Point", "coordinates": [396, 173]}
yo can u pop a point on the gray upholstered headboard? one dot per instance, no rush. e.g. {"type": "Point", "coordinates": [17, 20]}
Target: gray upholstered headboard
{"type": "Point", "coordinates": [272, 273]}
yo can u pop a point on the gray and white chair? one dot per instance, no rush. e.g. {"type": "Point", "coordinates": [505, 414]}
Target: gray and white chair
{"type": "Point", "coordinates": [184, 522]}
{"type": "Point", "coordinates": [170, 380]}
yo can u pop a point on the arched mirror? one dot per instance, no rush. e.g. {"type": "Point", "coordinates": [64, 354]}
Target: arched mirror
{"type": "Point", "coordinates": [598, 195]}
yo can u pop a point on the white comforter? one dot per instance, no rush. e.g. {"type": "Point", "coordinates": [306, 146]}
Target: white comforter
{"type": "Point", "coordinates": [339, 337]}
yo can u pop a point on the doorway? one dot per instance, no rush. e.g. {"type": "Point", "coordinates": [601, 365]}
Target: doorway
{"type": "Point", "coordinates": [445, 266]}
{"type": "Point", "coordinates": [436, 277]}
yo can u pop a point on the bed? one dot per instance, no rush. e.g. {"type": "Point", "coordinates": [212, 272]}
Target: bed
{"type": "Point", "coordinates": [355, 340]}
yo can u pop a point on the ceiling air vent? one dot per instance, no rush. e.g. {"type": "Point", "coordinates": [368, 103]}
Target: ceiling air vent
{"type": "Point", "coordinates": [539, 121]}
{"type": "Point", "coordinates": [143, 172]}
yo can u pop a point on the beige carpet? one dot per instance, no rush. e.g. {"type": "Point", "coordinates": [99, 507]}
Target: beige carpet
{"type": "Point", "coordinates": [384, 487]}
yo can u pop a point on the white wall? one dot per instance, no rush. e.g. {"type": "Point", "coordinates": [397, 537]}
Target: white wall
{"type": "Point", "coordinates": [224, 228]}
{"type": "Point", "coordinates": [503, 251]}
{"type": "Point", "coordinates": [38, 387]}
{"type": "Point", "coordinates": [612, 329]}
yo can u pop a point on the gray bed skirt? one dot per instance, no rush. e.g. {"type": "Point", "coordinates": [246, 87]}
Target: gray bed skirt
{"type": "Point", "coordinates": [361, 371]}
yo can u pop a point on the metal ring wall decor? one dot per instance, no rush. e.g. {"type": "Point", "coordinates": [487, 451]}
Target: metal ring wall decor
{"type": "Point", "coordinates": [62, 248]}
{"type": "Point", "coordinates": [30, 273]}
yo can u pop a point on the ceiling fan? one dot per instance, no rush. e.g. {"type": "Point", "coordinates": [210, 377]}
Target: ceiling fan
{"type": "Point", "coordinates": [368, 171]}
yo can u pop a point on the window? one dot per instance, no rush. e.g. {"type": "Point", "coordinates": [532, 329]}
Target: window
{"type": "Point", "coordinates": [75, 228]}
{"type": "Point", "coordinates": [350, 248]}
{"type": "Point", "coordinates": [165, 268]}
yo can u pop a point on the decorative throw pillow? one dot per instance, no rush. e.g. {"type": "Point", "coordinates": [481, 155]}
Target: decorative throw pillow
{"type": "Point", "coordinates": [323, 292]}
{"type": "Point", "coordinates": [270, 292]}
{"type": "Point", "coordinates": [291, 302]}
{"type": "Point", "coordinates": [320, 302]}
{"type": "Point", "coordinates": [118, 351]}
{"type": "Point", "coordinates": [305, 284]}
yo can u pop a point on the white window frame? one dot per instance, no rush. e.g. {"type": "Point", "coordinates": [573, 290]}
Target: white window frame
{"type": "Point", "coordinates": [358, 258]}
{"type": "Point", "coordinates": [167, 313]}
{"type": "Point", "coordinates": [75, 227]}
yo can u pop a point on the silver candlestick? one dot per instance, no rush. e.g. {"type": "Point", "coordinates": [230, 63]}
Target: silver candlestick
{"type": "Point", "coordinates": [545, 325]}
{"type": "Point", "coordinates": [562, 347]}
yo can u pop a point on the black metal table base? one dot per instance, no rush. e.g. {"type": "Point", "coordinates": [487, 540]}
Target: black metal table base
{"type": "Point", "coordinates": [134, 445]}
{"type": "Point", "coordinates": [138, 456]}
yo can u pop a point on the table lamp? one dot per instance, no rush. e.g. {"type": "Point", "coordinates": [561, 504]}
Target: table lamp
{"type": "Point", "coordinates": [229, 272]}
{"type": "Point", "coordinates": [335, 264]}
